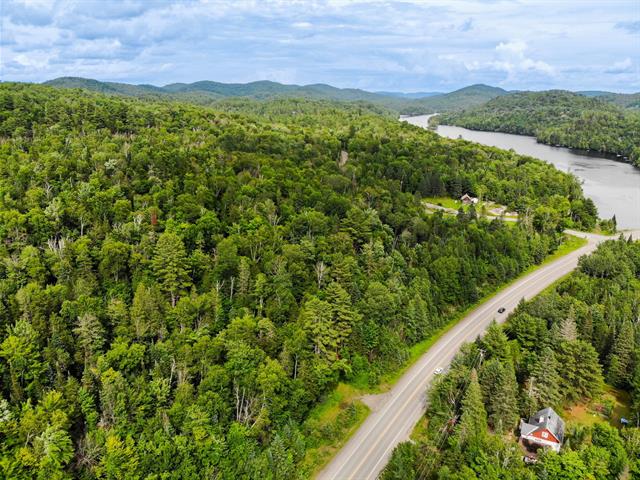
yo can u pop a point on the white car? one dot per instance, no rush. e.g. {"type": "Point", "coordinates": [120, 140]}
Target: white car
{"type": "Point", "coordinates": [438, 371]}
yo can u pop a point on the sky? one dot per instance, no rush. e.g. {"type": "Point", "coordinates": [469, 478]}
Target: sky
{"type": "Point", "coordinates": [410, 45]}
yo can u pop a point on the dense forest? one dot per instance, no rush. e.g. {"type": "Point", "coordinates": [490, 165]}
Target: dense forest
{"type": "Point", "coordinates": [558, 117]}
{"type": "Point", "coordinates": [180, 285]}
{"type": "Point", "coordinates": [555, 350]}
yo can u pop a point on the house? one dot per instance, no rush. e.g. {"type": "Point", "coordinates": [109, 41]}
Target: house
{"type": "Point", "coordinates": [468, 200]}
{"type": "Point", "coordinates": [544, 429]}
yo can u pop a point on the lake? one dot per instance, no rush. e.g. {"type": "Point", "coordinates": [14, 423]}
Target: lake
{"type": "Point", "coordinates": [614, 186]}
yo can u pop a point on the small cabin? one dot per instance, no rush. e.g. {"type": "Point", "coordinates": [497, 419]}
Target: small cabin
{"type": "Point", "coordinates": [466, 199]}
{"type": "Point", "coordinates": [544, 429]}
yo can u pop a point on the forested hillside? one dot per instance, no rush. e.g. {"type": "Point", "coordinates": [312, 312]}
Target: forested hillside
{"type": "Point", "coordinates": [179, 285]}
{"type": "Point", "coordinates": [210, 93]}
{"type": "Point", "coordinates": [466, 97]}
{"type": "Point", "coordinates": [627, 100]}
{"type": "Point", "coordinates": [556, 350]}
{"type": "Point", "coordinates": [558, 117]}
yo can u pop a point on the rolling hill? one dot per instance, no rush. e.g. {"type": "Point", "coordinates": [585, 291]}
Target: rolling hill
{"type": "Point", "coordinates": [410, 95]}
{"type": "Point", "coordinates": [204, 92]}
{"type": "Point", "coordinates": [207, 92]}
{"type": "Point", "coordinates": [463, 98]}
{"type": "Point", "coordinates": [627, 100]}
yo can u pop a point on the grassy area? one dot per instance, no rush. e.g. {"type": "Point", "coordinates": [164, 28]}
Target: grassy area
{"type": "Point", "coordinates": [328, 415]}
{"type": "Point", "coordinates": [331, 424]}
{"type": "Point", "coordinates": [446, 202]}
{"type": "Point", "coordinates": [570, 244]}
{"type": "Point", "coordinates": [420, 431]}
{"type": "Point", "coordinates": [610, 407]}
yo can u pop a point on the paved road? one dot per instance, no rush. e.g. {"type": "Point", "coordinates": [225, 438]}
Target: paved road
{"type": "Point", "coordinates": [368, 451]}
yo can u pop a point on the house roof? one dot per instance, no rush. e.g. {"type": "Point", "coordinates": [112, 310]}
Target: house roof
{"type": "Point", "coordinates": [546, 418]}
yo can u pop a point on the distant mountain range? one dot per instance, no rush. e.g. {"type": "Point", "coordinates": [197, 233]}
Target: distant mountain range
{"type": "Point", "coordinates": [209, 92]}
{"type": "Point", "coordinates": [410, 95]}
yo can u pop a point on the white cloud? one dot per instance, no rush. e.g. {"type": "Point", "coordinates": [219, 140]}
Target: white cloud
{"type": "Point", "coordinates": [624, 66]}
{"type": "Point", "coordinates": [516, 48]}
{"type": "Point", "coordinates": [375, 44]}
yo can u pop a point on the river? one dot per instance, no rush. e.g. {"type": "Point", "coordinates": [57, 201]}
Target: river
{"type": "Point", "coordinates": [613, 186]}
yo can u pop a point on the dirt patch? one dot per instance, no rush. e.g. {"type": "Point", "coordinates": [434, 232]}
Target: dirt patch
{"type": "Point", "coordinates": [375, 401]}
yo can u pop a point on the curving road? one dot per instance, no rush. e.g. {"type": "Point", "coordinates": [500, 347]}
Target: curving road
{"type": "Point", "coordinates": [367, 452]}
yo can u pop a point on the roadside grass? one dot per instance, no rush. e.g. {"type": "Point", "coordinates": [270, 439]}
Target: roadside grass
{"type": "Point", "coordinates": [331, 424]}
{"type": "Point", "coordinates": [612, 405]}
{"type": "Point", "coordinates": [330, 428]}
{"type": "Point", "coordinates": [420, 431]}
{"type": "Point", "coordinates": [570, 244]}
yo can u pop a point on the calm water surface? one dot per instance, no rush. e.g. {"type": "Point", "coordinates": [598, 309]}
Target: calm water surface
{"type": "Point", "coordinates": [613, 186]}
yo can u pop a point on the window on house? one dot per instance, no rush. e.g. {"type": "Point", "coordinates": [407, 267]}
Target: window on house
{"type": "Point", "coordinates": [545, 435]}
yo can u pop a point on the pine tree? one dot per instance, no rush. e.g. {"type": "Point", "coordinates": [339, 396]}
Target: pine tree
{"type": "Point", "coordinates": [170, 265]}
{"type": "Point", "coordinates": [495, 342]}
{"type": "Point", "coordinates": [489, 377]}
{"type": "Point", "coordinates": [417, 319]}
{"type": "Point", "coordinates": [621, 358]}
{"type": "Point", "coordinates": [503, 403]}
{"type": "Point", "coordinates": [543, 386]}
{"type": "Point", "coordinates": [146, 318]}
{"type": "Point", "coordinates": [91, 336]}
{"type": "Point", "coordinates": [343, 315]}
{"type": "Point", "coordinates": [472, 427]}
{"type": "Point", "coordinates": [568, 329]}
{"type": "Point", "coordinates": [581, 372]}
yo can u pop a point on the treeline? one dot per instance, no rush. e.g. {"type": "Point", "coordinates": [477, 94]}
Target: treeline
{"type": "Point", "coordinates": [555, 350]}
{"type": "Point", "coordinates": [179, 286]}
{"type": "Point", "coordinates": [558, 117]}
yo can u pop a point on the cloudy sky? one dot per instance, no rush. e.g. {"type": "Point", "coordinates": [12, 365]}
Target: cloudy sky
{"type": "Point", "coordinates": [406, 45]}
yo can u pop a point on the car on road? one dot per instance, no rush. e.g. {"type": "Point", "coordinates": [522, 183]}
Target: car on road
{"type": "Point", "coordinates": [438, 371]}
{"type": "Point", "coordinates": [501, 310]}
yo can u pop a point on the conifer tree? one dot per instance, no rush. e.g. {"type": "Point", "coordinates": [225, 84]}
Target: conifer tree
{"type": "Point", "coordinates": [568, 329]}
{"type": "Point", "coordinates": [170, 265]}
{"type": "Point", "coordinates": [345, 317]}
{"type": "Point", "coordinates": [581, 372]}
{"type": "Point", "coordinates": [495, 342]}
{"type": "Point", "coordinates": [472, 427]}
{"type": "Point", "coordinates": [90, 335]}
{"type": "Point", "coordinates": [503, 404]}
{"type": "Point", "coordinates": [543, 385]}
{"type": "Point", "coordinates": [621, 358]}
